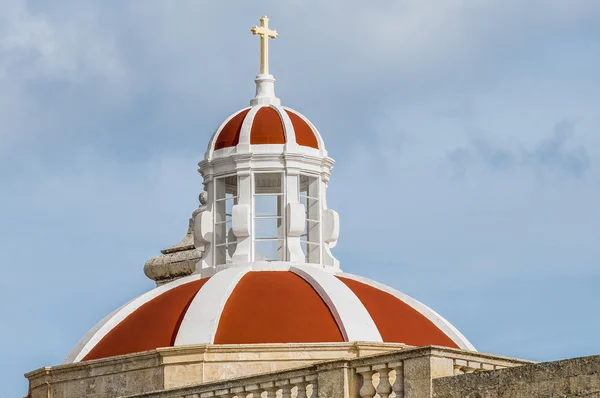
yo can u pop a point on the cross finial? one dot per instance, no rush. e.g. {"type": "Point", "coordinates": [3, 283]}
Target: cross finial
{"type": "Point", "coordinates": [265, 33]}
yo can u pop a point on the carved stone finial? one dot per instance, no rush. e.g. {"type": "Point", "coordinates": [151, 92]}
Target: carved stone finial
{"type": "Point", "coordinates": [179, 260]}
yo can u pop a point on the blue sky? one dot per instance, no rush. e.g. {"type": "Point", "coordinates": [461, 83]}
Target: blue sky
{"type": "Point", "coordinates": [465, 133]}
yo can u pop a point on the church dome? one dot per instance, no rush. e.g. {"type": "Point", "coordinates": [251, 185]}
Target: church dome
{"type": "Point", "coordinates": [257, 265]}
{"type": "Point", "coordinates": [265, 125]}
{"type": "Point", "coordinates": [266, 303]}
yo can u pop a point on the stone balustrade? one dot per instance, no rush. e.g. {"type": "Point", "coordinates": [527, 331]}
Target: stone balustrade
{"type": "Point", "coordinates": [400, 374]}
{"type": "Point", "coordinates": [408, 373]}
{"type": "Point", "coordinates": [381, 380]}
{"type": "Point", "coordinates": [462, 366]}
{"type": "Point", "coordinates": [296, 383]}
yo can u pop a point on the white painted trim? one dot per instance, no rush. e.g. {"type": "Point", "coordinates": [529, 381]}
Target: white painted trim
{"type": "Point", "coordinates": [246, 129]}
{"type": "Point", "coordinates": [268, 156]}
{"type": "Point", "coordinates": [201, 320]}
{"type": "Point", "coordinates": [288, 128]}
{"type": "Point", "coordinates": [352, 317]}
{"type": "Point", "coordinates": [427, 312]}
{"type": "Point", "coordinates": [247, 123]}
{"type": "Point", "coordinates": [102, 328]}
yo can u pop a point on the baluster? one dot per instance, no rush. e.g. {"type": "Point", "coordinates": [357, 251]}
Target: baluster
{"type": "Point", "coordinates": [224, 393]}
{"type": "Point", "coordinates": [301, 389]}
{"type": "Point", "coordinates": [286, 391]}
{"type": "Point", "coordinates": [315, 390]}
{"type": "Point", "coordinates": [367, 390]}
{"type": "Point", "coordinates": [254, 389]}
{"type": "Point", "coordinates": [384, 388]}
{"type": "Point", "coordinates": [398, 386]}
{"type": "Point", "coordinates": [312, 380]}
{"type": "Point", "coordinates": [269, 388]}
{"type": "Point", "coordinates": [238, 392]}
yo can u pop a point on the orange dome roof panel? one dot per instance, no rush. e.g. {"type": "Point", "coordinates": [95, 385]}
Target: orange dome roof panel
{"type": "Point", "coordinates": [304, 134]}
{"type": "Point", "coordinates": [397, 321]}
{"type": "Point", "coordinates": [230, 133]}
{"type": "Point", "coordinates": [276, 307]}
{"type": "Point", "coordinates": [155, 324]}
{"type": "Point", "coordinates": [267, 128]}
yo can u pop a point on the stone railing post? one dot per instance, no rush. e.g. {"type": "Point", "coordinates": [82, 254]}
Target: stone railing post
{"type": "Point", "coordinates": [334, 380]}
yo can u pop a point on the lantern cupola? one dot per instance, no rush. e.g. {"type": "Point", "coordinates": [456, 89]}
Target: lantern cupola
{"type": "Point", "coordinates": [266, 172]}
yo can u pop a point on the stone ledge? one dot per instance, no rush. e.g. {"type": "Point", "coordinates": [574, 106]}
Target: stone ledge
{"type": "Point", "coordinates": [438, 352]}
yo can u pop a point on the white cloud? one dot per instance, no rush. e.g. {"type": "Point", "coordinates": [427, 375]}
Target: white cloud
{"type": "Point", "coordinates": [44, 59]}
{"type": "Point", "coordinates": [69, 48]}
{"type": "Point", "coordinates": [199, 54]}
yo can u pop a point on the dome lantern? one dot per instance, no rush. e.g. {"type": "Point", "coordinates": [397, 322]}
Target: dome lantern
{"type": "Point", "coordinates": [266, 172]}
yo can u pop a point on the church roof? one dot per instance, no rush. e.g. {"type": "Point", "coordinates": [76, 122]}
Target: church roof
{"type": "Point", "coordinates": [271, 124]}
{"type": "Point", "coordinates": [266, 174]}
{"type": "Point", "coordinates": [266, 303]}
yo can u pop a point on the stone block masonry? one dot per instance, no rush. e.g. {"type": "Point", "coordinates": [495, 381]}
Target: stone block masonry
{"type": "Point", "coordinates": [578, 377]}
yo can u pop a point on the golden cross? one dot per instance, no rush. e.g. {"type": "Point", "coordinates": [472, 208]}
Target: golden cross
{"type": "Point", "coordinates": [265, 33]}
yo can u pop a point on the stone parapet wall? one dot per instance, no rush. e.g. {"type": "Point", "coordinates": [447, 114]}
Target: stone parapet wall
{"type": "Point", "coordinates": [168, 368]}
{"type": "Point", "coordinates": [578, 377]}
{"type": "Point", "coordinates": [406, 373]}
{"type": "Point", "coordinates": [322, 370]}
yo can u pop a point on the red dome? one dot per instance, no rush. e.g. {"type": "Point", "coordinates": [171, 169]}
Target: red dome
{"type": "Point", "coordinates": [276, 307]}
{"type": "Point", "coordinates": [230, 133]}
{"type": "Point", "coordinates": [266, 127]}
{"type": "Point", "coordinates": [263, 307]}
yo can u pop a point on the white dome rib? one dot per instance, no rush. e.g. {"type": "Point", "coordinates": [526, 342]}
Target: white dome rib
{"type": "Point", "coordinates": [352, 317]}
{"type": "Point", "coordinates": [439, 321]}
{"type": "Point", "coordinates": [201, 320]}
{"type": "Point", "coordinates": [102, 328]}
